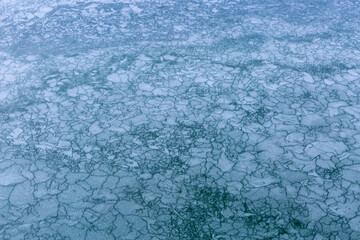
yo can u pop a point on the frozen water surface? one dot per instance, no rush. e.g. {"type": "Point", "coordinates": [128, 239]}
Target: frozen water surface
{"type": "Point", "coordinates": [180, 120]}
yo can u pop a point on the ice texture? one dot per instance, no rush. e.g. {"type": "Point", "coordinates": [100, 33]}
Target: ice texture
{"type": "Point", "coordinates": [179, 120]}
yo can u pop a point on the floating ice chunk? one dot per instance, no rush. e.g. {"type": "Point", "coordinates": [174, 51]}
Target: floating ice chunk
{"type": "Point", "coordinates": [127, 207]}
{"type": "Point", "coordinates": [169, 57]}
{"type": "Point", "coordinates": [195, 161]}
{"type": "Point", "coordinates": [44, 146]}
{"type": "Point", "coordinates": [159, 92]}
{"type": "Point", "coordinates": [225, 164]}
{"type": "Point", "coordinates": [269, 149]}
{"type": "Point", "coordinates": [352, 75]}
{"type": "Point", "coordinates": [174, 83]}
{"type": "Point", "coordinates": [4, 94]}
{"type": "Point", "coordinates": [19, 142]}
{"type": "Point", "coordinates": [308, 78]}
{"type": "Point", "coordinates": [43, 11]}
{"type": "Point", "coordinates": [41, 176]}
{"type": "Point", "coordinates": [145, 87]}
{"type": "Point", "coordinates": [354, 167]}
{"type": "Point", "coordinates": [118, 77]}
{"type": "Point", "coordinates": [117, 129]}
{"type": "Point", "coordinates": [93, 234]}
{"type": "Point", "coordinates": [16, 132]}
{"type": "Point", "coordinates": [351, 175]}
{"type": "Point", "coordinates": [255, 20]}
{"type": "Point", "coordinates": [347, 209]}
{"type": "Point", "coordinates": [355, 224]}
{"type": "Point", "coordinates": [9, 77]}
{"type": "Point", "coordinates": [74, 193]}
{"type": "Point", "coordinates": [317, 148]}
{"type": "Point", "coordinates": [139, 119]}
{"type": "Point", "coordinates": [334, 108]}
{"type": "Point", "coordinates": [11, 176]}
{"type": "Point", "coordinates": [294, 176]}
{"type": "Point", "coordinates": [92, 5]}
{"type": "Point", "coordinates": [178, 27]}
{"type": "Point", "coordinates": [262, 182]}
{"type": "Point", "coordinates": [315, 213]}
{"type": "Point", "coordinates": [227, 115]}
{"type": "Point", "coordinates": [46, 9]}
{"type": "Point", "coordinates": [136, 9]}
{"type": "Point", "coordinates": [64, 144]}
{"type": "Point", "coordinates": [295, 137]}
{"type": "Point", "coordinates": [95, 129]}
{"type": "Point", "coordinates": [22, 194]}
{"type": "Point", "coordinates": [200, 79]}
{"type": "Point", "coordinates": [30, 16]}
{"type": "Point", "coordinates": [113, 77]}
{"type": "Point", "coordinates": [328, 82]}
{"type": "Point", "coordinates": [353, 110]}
{"type": "Point", "coordinates": [47, 208]}
{"type": "Point", "coordinates": [72, 92]}
{"type": "Point", "coordinates": [313, 119]}
{"type": "Point", "coordinates": [72, 232]}
{"type": "Point", "coordinates": [327, 164]}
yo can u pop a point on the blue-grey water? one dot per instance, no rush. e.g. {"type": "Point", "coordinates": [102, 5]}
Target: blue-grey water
{"type": "Point", "coordinates": [179, 120]}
